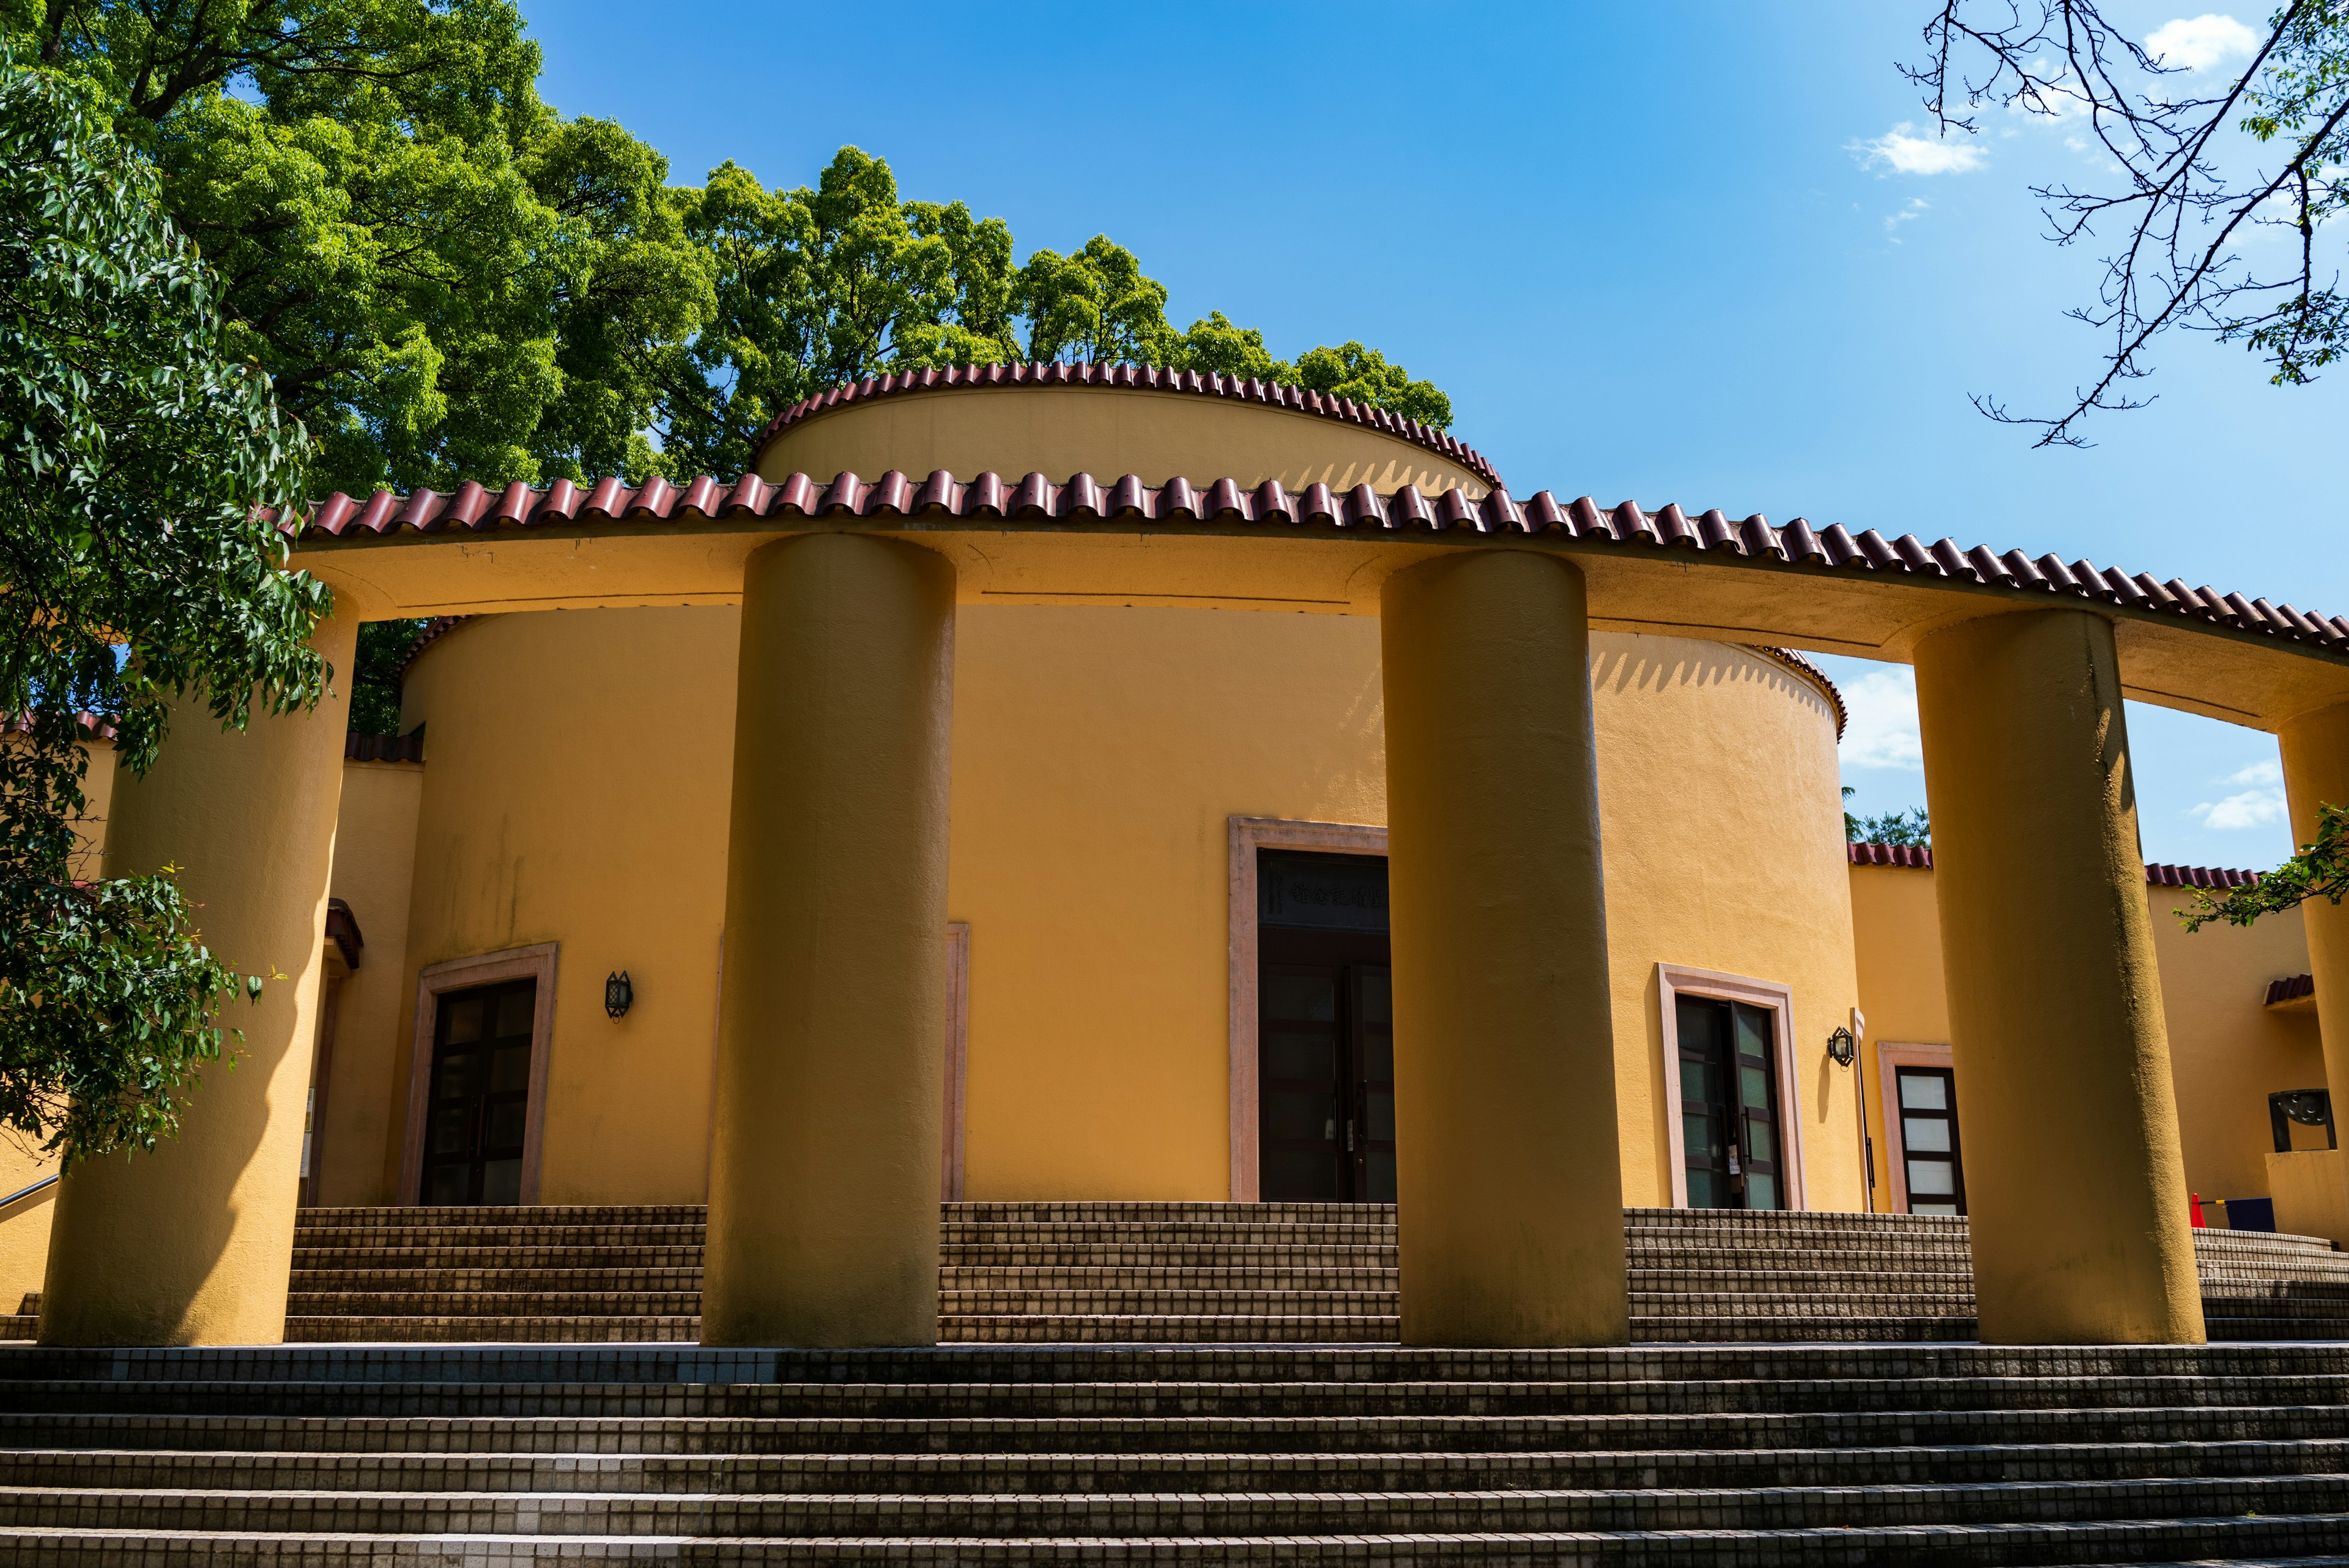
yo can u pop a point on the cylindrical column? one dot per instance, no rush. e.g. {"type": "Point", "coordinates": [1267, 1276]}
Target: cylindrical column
{"type": "Point", "coordinates": [194, 1243]}
{"type": "Point", "coordinates": [2316, 774]}
{"type": "Point", "coordinates": [824, 1184]}
{"type": "Point", "coordinates": [1509, 1181]}
{"type": "Point", "coordinates": [2066, 1118]}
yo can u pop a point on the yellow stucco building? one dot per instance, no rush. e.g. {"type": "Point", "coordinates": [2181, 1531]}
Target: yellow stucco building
{"type": "Point", "coordinates": [1154, 819]}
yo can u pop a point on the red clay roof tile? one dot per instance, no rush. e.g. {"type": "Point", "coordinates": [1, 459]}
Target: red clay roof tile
{"type": "Point", "coordinates": [407, 748]}
{"type": "Point", "coordinates": [1811, 672]}
{"type": "Point", "coordinates": [2158, 875]}
{"type": "Point", "coordinates": [2291, 989]}
{"type": "Point", "coordinates": [1085, 499]}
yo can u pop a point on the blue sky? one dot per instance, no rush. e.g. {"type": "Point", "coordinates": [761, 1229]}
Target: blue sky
{"type": "Point", "coordinates": [1667, 251]}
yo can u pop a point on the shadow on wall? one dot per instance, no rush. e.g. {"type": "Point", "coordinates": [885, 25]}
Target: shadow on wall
{"type": "Point", "coordinates": [1641, 668]}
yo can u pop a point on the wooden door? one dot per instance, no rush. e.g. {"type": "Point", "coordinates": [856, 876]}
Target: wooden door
{"type": "Point", "coordinates": [1731, 1133]}
{"type": "Point", "coordinates": [480, 1108]}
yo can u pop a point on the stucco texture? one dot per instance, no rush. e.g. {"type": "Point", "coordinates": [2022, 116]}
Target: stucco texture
{"type": "Point", "coordinates": [375, 853]}
{"type": "Point", "coordinates": [1060, 432]}
{"type": "Point", "coordinates": [577, 792]}
{"type": "Point", "coordinates": [1723, 826]}
{"type": "Point", "coordinates": [2226, 1052]}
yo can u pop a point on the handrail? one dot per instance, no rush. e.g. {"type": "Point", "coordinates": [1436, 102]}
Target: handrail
{"type": "Point", "coordinates": [49, 1181]}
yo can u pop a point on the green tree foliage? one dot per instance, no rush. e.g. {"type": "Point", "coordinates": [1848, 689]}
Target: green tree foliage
{"type": "Point", "coordinates": [2321, 870]}
{"type": "Point", "coordinates": [443, 276]}
{"type": "Point", "coordinates": [446, 279]}
{"type": "Point", "coordinates": [137, 563]}
{"type": "Point", "coordinates": [1905, 827]}
{"type": "Point", "coordinates": [815, 286]}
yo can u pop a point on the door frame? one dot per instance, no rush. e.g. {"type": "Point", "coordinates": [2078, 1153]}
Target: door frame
{"type": "Point", "coordinates": [1248, 834]}
{"type": "Point", "coordinates": [950, 1155]}
{"type": "Point", "coordinates": [536, 963]}
{"type": "Point", "coordinates": [1890, 1057]}
{"type": "Point", "coordinates": [1675, 981]}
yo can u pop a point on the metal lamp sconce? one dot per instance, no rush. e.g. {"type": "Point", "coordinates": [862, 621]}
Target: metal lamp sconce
{"type": "Point", "coordinates": [618, 994]}
{"type": "Point", "coordinates": [1842, 1049]}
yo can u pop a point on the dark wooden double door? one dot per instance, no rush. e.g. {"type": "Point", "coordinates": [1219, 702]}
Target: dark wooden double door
{"type": "Point", "coordinates": [1730, 1130]}
{"type": "Point", "coordinates": [1325, 1031]}
{"type": "Point", "coordinates": [479, 1111]}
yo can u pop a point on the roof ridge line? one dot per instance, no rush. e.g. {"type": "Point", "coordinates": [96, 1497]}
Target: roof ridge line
{"type": "Point", "coordinates": [1126, 376]}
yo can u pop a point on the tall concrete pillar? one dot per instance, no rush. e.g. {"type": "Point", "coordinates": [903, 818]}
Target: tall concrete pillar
{"type": "Point", "coordinates": [823, 1185]}
{"type": "Point", "coordinates": [1509, 1183]}
{"type": "Point", "coordinates": [2316, 774]}
{"type": "Point", "coordinates": [2073, 1179]}
{"type": "Point", "coordinates": [194, 1243]}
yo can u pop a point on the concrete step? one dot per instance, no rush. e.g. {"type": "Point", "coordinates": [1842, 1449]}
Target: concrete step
{"type": "Point", "coordinates": [357, 1330]}
{"type": "Point", "coordinates": [1171, 1233]}
{"type": "Point", "coordinates": [1140, 1328]}
{"type": "Point", "coordinates": [495, 1304]}
{"type": "Point", "coordinates": [1822, 1329]}
{"type": "Point", "coordinates": [1053, 1473]}
{"type": "Point", "coordinates": [962, 1401]}
{"type": "Point", "coordinates": [1162, 1301]}
{"type": "Point", "coordinates": [508, 1234]}
{"type": "Point", "coordinates": [1194, 1436]}
{"type": "Point", "coordinates": [461, 1216]}
{"type": "Point", "coordinates": [494, 1279]}
{"type": "Point", "coordinates": [329, 1259]}
{"type": "Point", "coordinates": [2275, 1541]}
{"type": "Point", "coordinates": [728, 1514]}
{"type": "Point", "coordinates": [962, 1277]}
{"type": "Point", "coordinates": [1129, 1253]}
{"type": "Point", "coordinates": [563, 1367]}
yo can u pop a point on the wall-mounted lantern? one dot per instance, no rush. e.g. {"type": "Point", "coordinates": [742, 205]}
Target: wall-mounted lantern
{"type": "Point", "coordinates": [618, 994]}
{"type": "Point", "coordinates": [1842, 1049]}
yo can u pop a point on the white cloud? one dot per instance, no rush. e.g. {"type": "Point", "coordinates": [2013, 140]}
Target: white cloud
{"type": "Point", "coordinates": [1904, 153]}
{"type": "Point", "coordinates": [1915, 209]}
{"type": "Point", "coordinates": [2198, 43]}
{"type": "Point", "coordinates": [2262, 802]}
{"type": "Point", "coordinates": [1882, 730]}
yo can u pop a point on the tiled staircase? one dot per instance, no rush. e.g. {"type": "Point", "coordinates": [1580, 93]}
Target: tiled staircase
{"type": "Point", "coordinates": [1886, 1454]}
{"type": "Point", "coordinates": [1890, 1455]}
{"type": "Point", "coordinates": [566, 1275]}
{"type": "Point", "coordinates": [1191, 1272]}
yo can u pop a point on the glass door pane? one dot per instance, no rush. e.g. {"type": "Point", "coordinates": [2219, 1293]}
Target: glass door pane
{"type": "Point", "coordinates": [1299, 1070]}
{"type": "Point", "coordinates": [1703, 1025]}
{"type": "Point", "coordinates": [1929, 1141]}
{"type": "Point", "coordinates": [1758, 1106]}
{"type": "Point", "coordinates": [479, 1111]}
{"type": "Point", "coordinates": [1373, 1010]}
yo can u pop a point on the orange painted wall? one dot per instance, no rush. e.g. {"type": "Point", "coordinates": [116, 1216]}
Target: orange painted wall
{"type": "Point", "coordinates": [575, 791]}
{"type": "Point", "coordinates": [374, 857]}
{"type": "Point", "coordinates": [1099, 754]}
{"type": "Point", "coordinates": [2227, 1051]}
{"type": "Point", "coordinates": [1724, 840]}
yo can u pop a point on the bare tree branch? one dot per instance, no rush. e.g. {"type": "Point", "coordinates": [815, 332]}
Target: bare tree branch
{"type": "Point", "coordinates": [2188, 193]}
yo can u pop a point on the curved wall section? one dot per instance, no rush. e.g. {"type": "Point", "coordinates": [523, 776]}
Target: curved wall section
{"type": "Point", "coordinates": [577, 791]}
{"type": "Point", "coordinates": [1059, 431]}
{"type": "Point", "coordinates": [1719, 795]}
